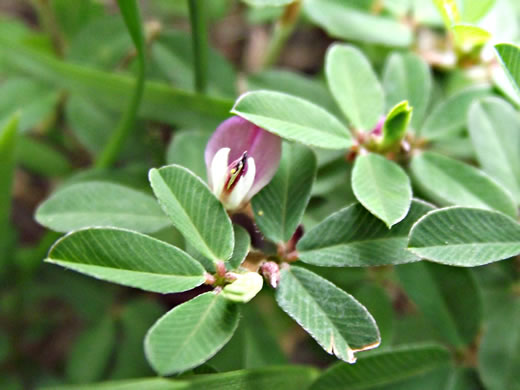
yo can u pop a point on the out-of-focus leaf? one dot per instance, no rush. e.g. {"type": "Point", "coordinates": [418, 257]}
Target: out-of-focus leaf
{"type": "Point", "coordinates": [294, 119]}
{"type": "Point", "coordinates": [194, 211]}
{"type": "Point", "coordinates": [355, 86]}
{"type": "Point", "coordinates": [354, 237]}
{"type": "Point", "coordinates": [128, 258]}
{"type": "Point", "coordinates": [499, 353]}
{"type": "Point", "coordinates": [267, 3]}
{"type": "Point", "coordinates": [40, 158]}
{"type": "Point", "coordinates": [282, 377]}
{"type": "Point", "coordinates": [450, 116]}
{"type": "Point", "coordinates": [160, 101]}
{"type": "Point", "coordinates": [408, 77]}
{"type": "Point", "coordinates": [337, 321]}
{"type": "Point", "coordinates": [34, 99]}
{"type": "Point", "coordinates": [8, 139]}
{"type": "Point", "coordinates": [191, 333]}
{"type": "Point", "coordinates": [187, 149]}
{"type": "Point", "coordinates": [448, 297]}
{"type": "Point", "coordinates": [90, 354]}
{"type": "Point", "coordinates": [443, 236]}
{"type": "Point", "coordinates": [382, 187]}
{"type": "Point", "coordinates": [135, 319]}
{"type": "Point", "coordinates": [72, 16]}
{"type": "Point", "coordinates": [450, 182]}
{"type": "Point", "coordinates": [379, 304]}
{"type": "Point", "coordinates": [494, 127]}
{"type": "Point", "coordinates": [280, 205]}
{"type": "Point", "coordinates": [449, 11]}
{"type": "Point", "coordinates": [103, 43]}
{"type": "Point", "coordinates": [404, 368]}
{"type": "Point", "coordinates": [468, 36]}
{"type": "Point", "coordinates": [342, 21]}
{"type": "Point", "coordinates": [473, 11]}
{"type": "Point", "coordinates": [172, 55]}
{"type": "Point", "coordinates": [101, 204]}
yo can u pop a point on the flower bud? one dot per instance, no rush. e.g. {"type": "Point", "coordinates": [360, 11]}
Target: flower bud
{"type": "Point", "coordinates": [244, 288]}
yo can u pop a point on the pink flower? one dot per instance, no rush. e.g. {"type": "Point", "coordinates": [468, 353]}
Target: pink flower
{"type": "Point", "coordinates": [241, 158]}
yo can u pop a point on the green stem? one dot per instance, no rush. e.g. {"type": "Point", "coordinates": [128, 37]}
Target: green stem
{"type": "Point", "coordinates": [108, 155]}
{"type": "Point", "coordinates": [282, 31]}
{"type": "Point", "coordinates": [199, 38]}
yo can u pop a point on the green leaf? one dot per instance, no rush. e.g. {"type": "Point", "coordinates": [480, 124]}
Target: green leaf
{"type": "Point", "coordinates": [450, 116]}
{"type": "Point", "coordinates": [509, 55]}
{"type": "Point", "coordinates": [408, 77]}
{"type": "Point", "coordinates": [396, 125]}
{"type": "Point", "coordinates": [281, 377]}
{"type": "Point", "coordinates": [468, 36]}
{"type": "Point", "coordinates": [499, 352]}
{"type": "Point", "coordinates": [194, 211]}
{"type": "Point", "coordinates": [38, 157]}
{"type": "Point", "coordinates": [494, 128]}
{"type": "Point", "coordinates": [280, 205]}
{"type": "Point", "coordinates": [128, 258]}
{"type": "Point", "coordinates": [382, 187]}
{"type": "Point", "coordinates": [293, 118]}
{"type": "Point", "coordinates": [432, 288]}
{"type": "Point", "coordinates": [397, 368]}
{"type": "Point", "coordinates": [451, 182]}
{"type": "Point", "coordinates": [296, 84]}
{"type": "Point", "coordinates": [241, 249]}
{"type": "Point", "coordinates": [465, 237]}
{"type": "Point", "coordinates": [355, 86]}
{"type": "Point", "coordinates": [187, 149]}
{"type": "Point", "coordinates": [191, 333]}
{"type": "Point", "coordinates": [90, 354]}
{"type": "Point", "coordinates": [35, 100]}
{"type": "Point", "coordinates": [267, 3]}
{"type": "Point", "coordinates": [473, 11]}
{"type": "Point", "coordinates": [113, 91]}
{"type": "Point", "coordinates": [101, 204]}
{"type": "Point", "coordinates": [339, 323]}
{"type": "Point", "coordinates": [8, 139]}
{"type": "Point", "coordinates": [352, 237]}
{"type": "Point", "coordinates": [340, 20]}
{"type": "Point", "coordinates": [449, 11]}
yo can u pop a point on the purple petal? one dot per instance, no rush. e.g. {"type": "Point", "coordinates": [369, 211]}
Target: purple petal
{"type": "Point", "coordinates": [240, 135]}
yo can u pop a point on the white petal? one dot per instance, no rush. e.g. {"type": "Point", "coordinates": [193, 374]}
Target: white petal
{"type": "Point", "coordinates": [239, 194]}
{"type": "Point", "coordinates": [219, 171]}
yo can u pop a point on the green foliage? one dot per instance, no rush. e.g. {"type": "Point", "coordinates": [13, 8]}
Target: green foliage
{"type": "Point", "coordinates": [442, 236]}
{"type": "Point", "coordinates": [355, 86]}
{"type": "Point", "coordinates": [128, 258]}
{"type": "Point", "coordinates": [194, 210]}
{"type": "Point", "coordinates": [401, 368]}
{"type": "Point", "coordinates": [339, 323]}
{"type": "Point", "coordinates": [193, 331]}
{"type": "Point", "coordinates": [279, 207]}
{"type": "Point", "coordinates": [353, 237]}
{"type": "Point", "coordinates": [396, 125]}
{"type": "Point", "coordinates": [450, 182]}
{"type": "Point", "coordinates": [101, 204]}
{"type": "Point", "coordinates": [294, 119]}
{"type": "Point", "coordinates": [382, 187]}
